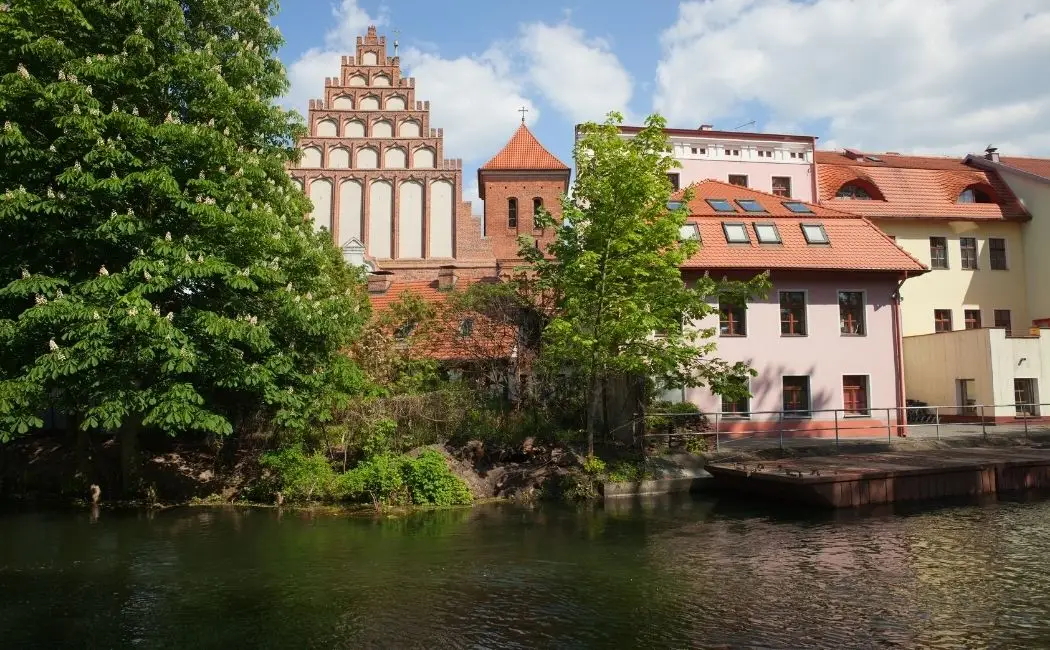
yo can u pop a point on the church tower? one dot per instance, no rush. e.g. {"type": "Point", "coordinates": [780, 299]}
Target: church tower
{"type": "Point", "coordinates": [515, 184]}
{"type": "Point", "coordinates": [375, 171]}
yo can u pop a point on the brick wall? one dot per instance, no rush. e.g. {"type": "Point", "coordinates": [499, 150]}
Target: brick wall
{"type": "Point", "coordinates": [503, 238]}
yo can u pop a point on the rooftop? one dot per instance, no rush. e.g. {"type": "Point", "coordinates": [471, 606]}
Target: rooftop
{"type": "Point", "coordinates": [707, 132]}
{"type": "Point", "coordinates": [524, 152]}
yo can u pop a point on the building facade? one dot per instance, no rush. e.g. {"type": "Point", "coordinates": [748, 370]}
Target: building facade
{"type": "Point", "coordinates": [825, 342]}
{"type": "Point", "coordinates": [767, 162]}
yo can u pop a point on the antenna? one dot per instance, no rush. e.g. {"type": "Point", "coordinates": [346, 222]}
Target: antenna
{"type": "Point", "coordinates": [397, 32]}
{"type": "Point", "coordinates": [751, 123]}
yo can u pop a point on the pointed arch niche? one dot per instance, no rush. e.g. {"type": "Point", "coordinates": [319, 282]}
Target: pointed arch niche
{"type": "Point", "coordinates": [354, 129]}
{"type": "Point", "coordinates": [321, 197]}
{"type": "Point", "coordinates": [327, 129]}
{"type": "Point", "coordinates": [380, 218]}
{"type": "Point", "coordinates": [410, 220]}
{"type": "Point", "coordinates": [395, 103]}
{"type": "Point", "coordinates": [423, 158]}
{"type": "Point", "coordinates": [382, 129]}
{"type": "Point", "coordinates": [394, 158]}
{"type": "Point", "coordinates": [410, 129]}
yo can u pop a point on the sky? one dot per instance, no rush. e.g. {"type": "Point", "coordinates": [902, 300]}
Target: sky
{"type": "Point", "coordinates": [943, 77]}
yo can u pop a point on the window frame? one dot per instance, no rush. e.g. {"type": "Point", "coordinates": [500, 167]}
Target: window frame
{"type": "Point", "coordinates": [974, 255]}
{"type": "Point", "coordinates": [997, 313]}
{"type": "Point", "coordinates": [537, 205]}
{"type": "Point", "coordinates": [512, 212]}
{"type": "Point", "coordinates": [675, 178]}
{"type": "Point", "coordinates": [694, 234]}
{"type": "Point", "coordinates": [805, 414]}
{"type": "Point", "coordinates": [863, 321]}
{"type": "Point", "coordinates": [800, 207]}
{"type": "Point", "coordinates": [725, 311]}
{"type": "Point", "coordinates": [856, 187]}
{"type": "Point", "coordinates": [761, 208]}
{"type": "Point", "coordinates": [805, 312]}
{"type": "Point", "coordinates": [933, 259]}
{"type": "Point", "coordinates": [823, 233]}
{"type": "Point", "coordinates": [865, 385]}
{"type": "Point", "coordinates": [773, 186]}
{"type": "Point", "coordinates": [992, 252]}
{"type": "Point", "coordinates": [734, 414]}
{"type": "Point", "coordinates": [743, 227]}
{"type": "Point", "coordinates": [967, 319]}
{"type": "Point", "coordinates": [731, 177]}
{"type": "Point", "coordinates": [937, 321]}
{"type": "Point", "coordinates": [766, 224]}
{"type": "Point", "coordinates": [731, 210]}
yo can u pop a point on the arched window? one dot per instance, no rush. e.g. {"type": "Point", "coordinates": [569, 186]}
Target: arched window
{"type": "Point", "coordinates": [974, 195]}
{"type": "Point", "coordinates": [512, 213]}
{"type": "Point", "coordinates": [853, 191]}
{"type": "Point", "coordinates": [537, 205]}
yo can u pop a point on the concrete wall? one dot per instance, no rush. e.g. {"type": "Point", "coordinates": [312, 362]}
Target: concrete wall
{"type": "Point", "coordinates": [1036, 241]}
{"type": "Point", "coordinates": [759, 174]}
{"type": "Point", "coordinates": [824, 353]}
{"type": "Point", "coordinates": [956, 288]}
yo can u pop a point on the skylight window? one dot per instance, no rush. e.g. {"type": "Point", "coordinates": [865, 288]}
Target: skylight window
{"type": "Point", "coordinates": [750, 205]}
{"type": "Point", "coordinates": [736, 233]}
{"type": "Point", "coordinates": [797, 207]}
{"type": "Point", "coordinates": [815, 233]}
{"type": "Point", "coordinates": [673, 205]}
{"type": "Point", "coordinates": [721, 205]}
{"type": "Point", "coordinates": [767, 233]}
{"type": "Point", "coordinates": [689, 231]}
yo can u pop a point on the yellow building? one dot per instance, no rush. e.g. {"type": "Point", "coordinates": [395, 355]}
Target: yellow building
{"type": "Point", "coordinates": [963, 222]}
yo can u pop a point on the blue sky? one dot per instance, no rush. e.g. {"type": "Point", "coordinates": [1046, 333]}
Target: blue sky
{"type": "Point", "coordinates": [933, 76]}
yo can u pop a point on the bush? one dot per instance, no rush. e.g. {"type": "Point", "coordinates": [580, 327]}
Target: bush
{"type": "Point", "coordinates": [298, 476]}
{"type": "Point", "coordinates": [379, 478]}
{"type": "Point", "coordinates": [594, 466]}
{"type": "Point", "coordinates": [430, 481]}
{"type": "Point", "coordinates": [628, 472]}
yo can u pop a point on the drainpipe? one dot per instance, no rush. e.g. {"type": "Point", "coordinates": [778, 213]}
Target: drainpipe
{"type": "Point", "coordinates": [898, 359]}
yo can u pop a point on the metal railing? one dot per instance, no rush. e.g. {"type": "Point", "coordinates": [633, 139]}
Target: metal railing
{"type": "Point", "coordinates": [824, 427]}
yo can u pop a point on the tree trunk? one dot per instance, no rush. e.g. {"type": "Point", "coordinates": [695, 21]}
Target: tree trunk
{"type": "Point", "coordinates": [605, 410]}
{"type": "Point", "coordinates": [128, 439]}
{"type": "Point", "coordinates": [592, 412]}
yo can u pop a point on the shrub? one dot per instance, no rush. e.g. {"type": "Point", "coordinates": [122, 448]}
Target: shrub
{"type": "Point", "coordinates": [379, 478]}
{"type": "Point", "coordinates": [298, 476]}
{"type": "Point", "coordinates": [594, 466]}
{"type": "Point", "coordinates": [430, 481]}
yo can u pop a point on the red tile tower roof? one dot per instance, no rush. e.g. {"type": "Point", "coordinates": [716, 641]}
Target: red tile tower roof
{"type": "Point", "coordinates": [522, 152]}
{"type": "Point", "coordinates": [854, 243]}
{"type": "Point", "coordinates": [913, 187]}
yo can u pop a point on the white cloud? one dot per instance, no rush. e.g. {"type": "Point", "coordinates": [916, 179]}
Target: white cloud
{"type": "Point", "coordinates": [581, 77]}
{"type": "Point", "coordinates": [946, 76]}
{"type": "Point", "coordinates": [475, 99]}
{"type": "Point", "coordinates": [307, 73]}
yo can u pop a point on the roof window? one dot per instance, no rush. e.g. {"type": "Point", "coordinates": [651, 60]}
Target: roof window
{"type": "Point", "coordinates": [767, 233]}
{"type": "Point", "coordinates": [797, 207]}
{"type": "Point", "coordinates": [689, 231]}
{"type": "Point", "coordinates": [721, 205]}
{"type": "Point", "coordinates": [853, 191]}
{"type": "Point", "coordinates": [736, 233]}
{"type": "Point", "coordinates": [750, 205]}
{"type": "Point", "coordinates": [673, 205]}
{"type": "Point", "coordinates": [974, 195]}
{"type": "Point", "coordinates": [815, 233]}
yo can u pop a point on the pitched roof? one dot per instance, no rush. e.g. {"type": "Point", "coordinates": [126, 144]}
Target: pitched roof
{"type": "Point", "coordinates": [1036, 166]}
{"type": "Point", "coordinates": [914, 187]}
{"type": "Point", "coordinates": [854, 243]}
{"type": "Point", "coordinates": [524, 151]}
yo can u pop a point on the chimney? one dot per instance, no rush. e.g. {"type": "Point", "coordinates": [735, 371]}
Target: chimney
{"type": "Point", "coordinates": [380, 281]}
{"type": "Point", "coordinates": [446, 278]}
{"type": "Point", "coordinates": [707, 127]}
{"type": "Point", "coordinates": [991, 153]}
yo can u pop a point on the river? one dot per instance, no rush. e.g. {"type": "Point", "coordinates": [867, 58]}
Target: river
{"type": "Point", "coordinates": [670, 573]}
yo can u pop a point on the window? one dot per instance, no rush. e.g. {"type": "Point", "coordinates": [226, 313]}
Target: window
{"type": "Point", "coordinates": [674, 178]}
{"type": "Point", "coordinates": [736, 409]}
{"type": "Point", "coordinates": [750, 205]}
{"type": "Point", "coordinates": [796, 396]}
{"type": "Point", "coordinates": [997, 253]}
{"type": "Point", "coordinates": [942, 320]}
{"type": "Point", "coordinates": [853, 191]}
{"type": "Point", "coordinates": [537, 206]}
{"type": "Point", "coordinates": [767, 233]}
{"type": "Point", "coordinates": [814, 233]}
{"type": "Point", "coordinates": [721, 205]}
{"type": "Point", "coordinates": [793, 313]}
{"type": "Point", "coordinates": [938, 253]}
{"type": "Point", "coordinates": [734, 152]}
{"type": "Point", "coordinates": [782, 185]}
{"type": "Point", "coordinates": [855, 395]}
{"type": "Point", "coordinates": [405, 329]}
{"type": "Point", "coordinates": [1002, 319]}
{"type": "Point", "coordinates": [797, 207]}
{"type": "Point", "coordinates": [762, 153]}
{"type": "Point", "coordinates": [851, 313]}
{"type": "Point", "coordinates": [973, 195]}
{"type": "Point", "coordinates": [688, 231]}
{"type": "Point", "coordinates": [968, 246]}
{"type": "Point", "coordinates": [732, 319]}
{"type": "Point", "coordinates": [466, 327]}
{"type": "Point", "coordinates": [738, 179]}
{"type": "Point", "coordinates": [512, 213]}
{"type": "Point", "coordinates": [736, 233]}
{"type": "Point", "coordinates": [972, 319]}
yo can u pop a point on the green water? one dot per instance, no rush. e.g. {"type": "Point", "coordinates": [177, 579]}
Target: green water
{"type": "Point", "coordinates": [675, 573]}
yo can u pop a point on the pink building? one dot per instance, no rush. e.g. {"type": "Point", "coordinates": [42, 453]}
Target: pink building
{"type": "Point", "coordinates": [768, 162]}
{"type": "Point", "coordinates": [826, 342]}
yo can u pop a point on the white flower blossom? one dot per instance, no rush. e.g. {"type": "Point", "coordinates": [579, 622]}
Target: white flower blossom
{"type": "Point", "coordinates": [226, 131]}
{"type": "Point", "coordinates": [309, 295]}
{"type": "Point", "coordinates": [40, 300]}
{"type": "Point", "coordinates": [76, 109]}
{"type": "Point", "coordinates": [169, 119]}
{"type": "Point", "coordinates": [170, 316]}
{"type": "Point", "coordinates": [50, 193]}
{"type": "Point", "coordinates": [209, 201]}
{"type": "Point", "coordinates": [59, 295]}
{"type": "Point", "coordinates": [95, 316]}
{"type": "Point", "coordinates": [135, 111]}
{"type": "Point", "coordinates": [222, 168]}
{"type": "Point", "coordinates": [199, 199]}
{"type": "Point", "coordinates": [61, 75]}
{"type": "Point", "coordinates": [211, 122]}
{"type": "Point", "coordinates": [167, 236]}
{"type": "Point", "coordinates": [289, 287]}
{"type": "Point", "coordinates": [103, 271]}
{"type": "Point", "coordinates": [25, 274]}
{"type": "Point", "coordinates": [22, 70]}
{"type": "Point", "coordinates": [133, 312]}
{"type": "Point", "coordinates": [147, 276]}
{"type": "Point", "coordinates": [52, 149]}
{"type": "Point", "coordinates": [113, 108]}
{"type": "Point", "coordinates": [87, 89]}
{"type": "Point", "coordinates": [200, 259]}
{"type": "Point", "coordinates": [296, 299]}
{"type": "Point", "coordinates": [138, 30]}
{"type": "Point", "coordinates": [7, 126]}
{"type": "Point", "coordinates": [253, 320]}
{"type": "Point", "coordinates": [76, 165]}
{"type": "Point", "coordinates": [156, 311]}
{"type": "Point", "coordinates": [188, 259]}
{"type": "Point", "coordinates": [72, 77]}
{"type": "Point", "coordinates": [52, 345]}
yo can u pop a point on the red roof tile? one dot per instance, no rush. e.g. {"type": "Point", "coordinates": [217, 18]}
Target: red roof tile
{"type": "Point", "coordinates": [914, 187]}
{"type": "Point", "coordinates": [1037, 166]}
{"type": "Point", "coordinates": [524, 151]}
{"type": "Point", "coordinates": [855, 244]}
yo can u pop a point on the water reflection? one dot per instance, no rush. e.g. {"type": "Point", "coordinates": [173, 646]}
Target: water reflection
{"type": "Point", "coordinates": [654, 572]}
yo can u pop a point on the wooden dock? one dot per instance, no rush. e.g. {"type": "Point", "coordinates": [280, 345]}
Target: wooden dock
{"type": "Point", "coordinates": [853, 480]}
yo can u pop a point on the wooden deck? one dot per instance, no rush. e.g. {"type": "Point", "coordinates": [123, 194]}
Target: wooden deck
{"type": "Point", "coordinates": [852, 480]}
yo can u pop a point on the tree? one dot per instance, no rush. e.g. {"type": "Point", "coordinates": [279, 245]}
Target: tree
{"type": "Point", "coordinates": [621, 300]}
{"type": "Point", "coordinates": [158, 271]}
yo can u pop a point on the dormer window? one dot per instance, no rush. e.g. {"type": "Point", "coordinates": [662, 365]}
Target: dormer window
{"type": "Point", "coordinates": [974, 195]}
{"type": "Point", "coordinates": [853, 191]}
{"type": "Point", "coordinates": [815, 233]}
{"type": "Point", "coordinates": [405, 330]}
{"type": "Point", "coordinates": [736, 233]}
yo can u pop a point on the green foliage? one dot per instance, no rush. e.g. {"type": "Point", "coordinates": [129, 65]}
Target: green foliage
{"type": "Point", "coordinates": [298, 476]}
{"type": "Point", "coordinates": [379, 438]}
{"type": "Point", "coordinates": [594, 466]}
{"type": "Point", "coordinates": [615, 270]}
{"type": "Point", "coordinates": [629, 472]}
{"type": "Point", "coordinates": [157, 268]}
{"type": "Point", "coordinates": [697, 445]}
{"type": "Point", "coordinates": [430, 481]}
{"type": "Point", "coordinates": [380, 478]}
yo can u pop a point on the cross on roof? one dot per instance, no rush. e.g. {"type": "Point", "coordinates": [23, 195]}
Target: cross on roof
{"type": "Point", "coordinates": [523, 110]}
